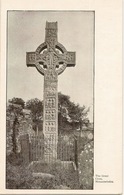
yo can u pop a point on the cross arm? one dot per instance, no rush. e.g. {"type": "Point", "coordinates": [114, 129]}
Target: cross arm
{"type": "Point", "coordinates": [70, 58]}
{"type": "Point", "coordinates": [30, 59]}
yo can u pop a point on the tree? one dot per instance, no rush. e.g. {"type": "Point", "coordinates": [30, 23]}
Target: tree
{"type": "Point", "coordinates": [78, 114]}
{"type": "Point", "coordinates": [36, 107]}
{"type": "Point", "coordinates": [71, 112]}
{"type": "Point", "coordinates": [70, 115]}
{"type": "Point", "coordinates": [18, 101]}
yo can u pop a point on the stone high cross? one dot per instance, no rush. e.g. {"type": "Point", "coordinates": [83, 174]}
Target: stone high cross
{"type": "Point", "coordinates": [50, 59]}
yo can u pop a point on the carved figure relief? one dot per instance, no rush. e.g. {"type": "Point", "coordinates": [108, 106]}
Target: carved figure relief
{"type": "Point", "coordinates": [51, 41]}
{"type": "Point", "coordinates": [51, 75]}
{"type": "Point", "coordinates": [31, 57]}
{"type": "Point", "coordinates": [51, 32]}
{"type": "Point", "coordinates": [51, 91]}
{"type": "Point", "coordinates": [70, 57]}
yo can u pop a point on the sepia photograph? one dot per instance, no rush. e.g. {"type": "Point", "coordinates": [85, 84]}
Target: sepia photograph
{"type": "Point", "coordinates": [50, 100]}
{"type": "Point", "coordinates": [61, 97]}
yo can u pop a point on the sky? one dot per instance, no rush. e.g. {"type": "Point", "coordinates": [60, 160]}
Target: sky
{"type": "Point", "coordinates": [26, 31]}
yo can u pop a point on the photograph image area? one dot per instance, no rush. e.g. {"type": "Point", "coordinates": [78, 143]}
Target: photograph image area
{"type": "Point", "coordinates": [50, 100]}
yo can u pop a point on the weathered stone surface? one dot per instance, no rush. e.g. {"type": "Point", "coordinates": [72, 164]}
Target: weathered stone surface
{"type": "Point", "coordinates": [50, 59]}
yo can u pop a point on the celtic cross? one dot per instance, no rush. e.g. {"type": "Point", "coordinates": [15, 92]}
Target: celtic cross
{"type": "Point", "coordinates": [50, 59]}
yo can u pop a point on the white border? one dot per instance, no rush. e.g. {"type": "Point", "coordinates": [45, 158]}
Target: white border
{"type": "Point", "coordinates": [108, 88]}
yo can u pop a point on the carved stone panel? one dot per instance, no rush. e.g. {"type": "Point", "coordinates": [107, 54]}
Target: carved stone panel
{"type": "Point", "coordinates": [50, 102]}
{"type": "Point", "coordinates": [30, 58]}
{"type": "Point", "coordinates": [50, 142]}
{"type": "Point", "coordinates": [50, 88]}
{"type": "Point", "coordinates": [51, 34]}
{"type": "Point", "coordinates": [51, 75]}
{"type": "Point", "coordinates": [50, 114]}
{"type": "Point", "coordinates": [70, 58]}
{"type": "Point", "coordinates": [51, 91]}
{"type": "Point", "coordinates": [51, 41]}
{"type": "Point", "coordinates": [50, 127]}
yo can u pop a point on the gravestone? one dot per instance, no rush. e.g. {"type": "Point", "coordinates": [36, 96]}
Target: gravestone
{"type": "Point", "coordinates": [50, 59]}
